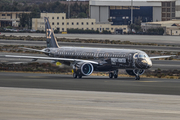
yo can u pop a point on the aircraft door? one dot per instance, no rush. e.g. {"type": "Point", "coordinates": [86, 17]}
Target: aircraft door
{"type": "Point", "coordinates": [130, 59]}
{"type": "Point", "coordinates": [95, 55]}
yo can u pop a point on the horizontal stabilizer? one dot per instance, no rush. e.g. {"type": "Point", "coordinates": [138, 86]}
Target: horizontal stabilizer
{"type": "Point", "coordinates": [34, 49]}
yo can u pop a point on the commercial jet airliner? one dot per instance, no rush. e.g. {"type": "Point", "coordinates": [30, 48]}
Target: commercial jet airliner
{"type": "Point", "coordinates": [86, 60]}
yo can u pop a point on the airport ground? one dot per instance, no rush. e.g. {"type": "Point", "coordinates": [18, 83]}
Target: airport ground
{"type": "Point", "coordinates": [90, 83]}
{"type": "Point", "coordinates": [97, 45]}
{"type": "Point", "coordinates": [54, 96]}
{"type": "Point", "coordinates": [46, 96]}
{"type": "Point", "coordinates": [133, 38]}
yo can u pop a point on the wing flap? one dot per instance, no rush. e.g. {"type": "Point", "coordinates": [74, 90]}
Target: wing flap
{"type": "Point", "coordinates": [52, 58]}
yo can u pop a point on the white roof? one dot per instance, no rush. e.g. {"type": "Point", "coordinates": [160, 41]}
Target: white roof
{"type": "Point", "coordinates": [127, 2]}
{"type": "Point", "coordinates": [166, 23]}
{"type": "Point", "coordinates": [134, 0]}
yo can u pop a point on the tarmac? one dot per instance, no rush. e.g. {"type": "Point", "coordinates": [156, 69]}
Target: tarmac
{"type": "Point", "coordinates": [96, 45]}
{"type": "Point", "coordinates": [90, 83]}
{"type": "Point", "coordinates": [45, 104]}
{"type": "Point", "coordinates": [57, 97]}
{"type": "Point", "coordinates": [133, 38]}
{"type": "Point", "coordinates": [53, 96]}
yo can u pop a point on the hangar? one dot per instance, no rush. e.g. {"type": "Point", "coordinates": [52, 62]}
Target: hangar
{"type": "Point", "coordinates": [119, 11]}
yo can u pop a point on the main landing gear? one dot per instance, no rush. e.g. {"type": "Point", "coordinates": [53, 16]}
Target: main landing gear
{"type": "Point", "coordinates": [113, 74]}
{"type": "Point", "coordinates": [76, 76]}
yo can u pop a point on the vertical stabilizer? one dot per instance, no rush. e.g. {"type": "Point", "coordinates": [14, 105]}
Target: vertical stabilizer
{"type": "Point", "coordinates": [50, 38]}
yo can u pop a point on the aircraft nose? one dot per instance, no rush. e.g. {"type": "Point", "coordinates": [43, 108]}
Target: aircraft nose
{"type": "Point", "coordinates": [146, 63]}
{"type": "Point", "coordinates": [149, 64]}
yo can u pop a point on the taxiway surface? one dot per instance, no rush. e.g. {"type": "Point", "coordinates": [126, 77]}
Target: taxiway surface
{"type": "Point", "coordinates": [52, 96]}
{"type": "Point", "coordinates": [97, 45]}
{"type": "Point", "coordinates": [90, 83]}
{"type": "Point", "coordinates": [133, 38]}
{"type": "Point", "coordinates": [45, 104]}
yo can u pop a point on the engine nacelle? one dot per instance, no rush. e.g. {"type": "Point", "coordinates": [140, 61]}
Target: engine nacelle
{"type": "Point", "coordinates": [134, 72]}
{"type": "Point", "coordinates": [84, 69]}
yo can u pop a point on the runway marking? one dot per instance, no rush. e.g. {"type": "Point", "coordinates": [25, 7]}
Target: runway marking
{"type": "Point", "coordinates": [35, 76]}
{"type": "Point", "coordinates": [167, 65]}
{"type": "Point", "coordinates": [148, 81]}
{"type": "Point", "coordinates": [132, 81]}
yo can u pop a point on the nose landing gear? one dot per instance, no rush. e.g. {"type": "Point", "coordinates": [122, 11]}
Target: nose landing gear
{"type": "Point", "coordinates": [137, 78]}
{"type": "Point", "coordinates": [137, 73]}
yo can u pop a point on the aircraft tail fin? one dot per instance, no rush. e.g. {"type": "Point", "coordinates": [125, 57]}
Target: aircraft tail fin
{"type": "Point", "coordinates": [50, 37]}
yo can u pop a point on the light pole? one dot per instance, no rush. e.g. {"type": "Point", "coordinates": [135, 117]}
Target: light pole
{"type": "Point", "coordinates": [131, 11]}
{"type": "Point", "coordinates": [68, 9]}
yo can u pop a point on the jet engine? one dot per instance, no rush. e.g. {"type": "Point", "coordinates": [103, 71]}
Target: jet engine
{"type": "Point", "coordinates": [84, 69]}
{"type": "Point", "coordinates": [134, 72]}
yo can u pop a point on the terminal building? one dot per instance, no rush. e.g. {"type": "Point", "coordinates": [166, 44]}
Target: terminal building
{"type": "Point", "coordinates": [171, 27]}
{"type": "Point", "coordinates": [11, 18]}
{"type": "Point", "coordinates": [119, 11]}
{"type": "Point", "coordinates": [59, 22]}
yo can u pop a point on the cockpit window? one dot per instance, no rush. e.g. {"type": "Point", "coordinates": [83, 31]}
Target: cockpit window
{"type": "Point", "coordinates": [141, 56]}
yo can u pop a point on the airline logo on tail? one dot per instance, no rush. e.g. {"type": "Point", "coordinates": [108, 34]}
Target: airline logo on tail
{"type": "Point", "coordinates": [48, 33]}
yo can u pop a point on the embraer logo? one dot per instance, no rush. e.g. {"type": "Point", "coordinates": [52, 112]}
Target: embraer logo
{"type": "Point", "coordinates": [48, 33]}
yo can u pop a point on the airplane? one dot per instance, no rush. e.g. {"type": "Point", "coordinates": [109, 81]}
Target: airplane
{"type": "Point", "coordinates": [85, 60]}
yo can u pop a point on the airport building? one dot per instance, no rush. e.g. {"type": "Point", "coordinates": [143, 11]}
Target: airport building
{"type": "Point", "coordinates": [119, 11]}
{"type": "Point", "coordinates": [58, 21]}
{"type": "Point", "coordinates": [171, 27]}
{"type": "Point", "coordinates": [11, 18]}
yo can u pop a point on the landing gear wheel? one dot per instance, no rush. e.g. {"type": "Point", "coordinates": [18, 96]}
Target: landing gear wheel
{"type": "Point", "coordinates": [115, 76]}
{"type": "Point", "coordinates": [74, 75]}
{"type": "Point", "coordinates": [137, 78]}
{"type": "Point", "coordinates": [110, 75]}
{"type": "Point", "coordinates": [79, 76]}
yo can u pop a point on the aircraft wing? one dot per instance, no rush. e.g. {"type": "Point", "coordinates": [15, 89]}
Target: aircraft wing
{"type": "Point", "coordinates": [52, 58]}
{"type": "Point", "coordinates": [155, 57]}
